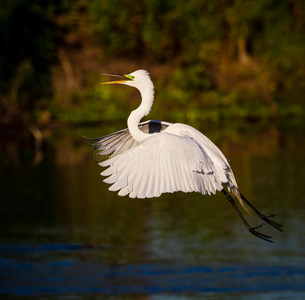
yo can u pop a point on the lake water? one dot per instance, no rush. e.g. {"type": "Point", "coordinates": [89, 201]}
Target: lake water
{"type": "Point", "coordinates": [63, 235]}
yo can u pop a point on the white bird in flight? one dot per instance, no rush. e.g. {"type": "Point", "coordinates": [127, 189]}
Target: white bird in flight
{"type": "Point", "coordinates": [154, 157]}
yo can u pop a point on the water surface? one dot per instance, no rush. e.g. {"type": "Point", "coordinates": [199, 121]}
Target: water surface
{"type": "Point", "coordinates": [64, 235]}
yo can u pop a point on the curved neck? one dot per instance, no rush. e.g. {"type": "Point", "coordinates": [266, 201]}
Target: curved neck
{"type": "Point", "coordinates": [136, 115]}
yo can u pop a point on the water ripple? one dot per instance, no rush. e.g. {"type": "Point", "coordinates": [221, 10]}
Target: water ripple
{"type": "Point", "coordinates": [49, 275]}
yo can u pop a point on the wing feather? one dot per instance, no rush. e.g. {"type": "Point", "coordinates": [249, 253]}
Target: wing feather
{"type": "Point", "coordinates": [118, 185]}
{"type": "Point", "coordinates": [124, 191]}
{"type": "Point", "coordinates": [172, 181]}
{"type": "Point", "coordinates": [109, 171]}
{"type": "Point", "coordinates": [167, 186]}
{"type": "Point", "coordinates": [150, 183]}
{"type": "Point", "coordinates": [162, 174]}
{"type": "Point", "coordinates": [135, 183]}
{"type": "Point", "coordinates": [157, 174]}
{"type": "Point", "coordinates": [142, 191]}
{"type": "Point", "coordinates": [185, 179]}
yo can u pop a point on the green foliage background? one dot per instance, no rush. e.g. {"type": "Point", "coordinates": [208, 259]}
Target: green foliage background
{"type": "Point", "coordinates": [215, 60]}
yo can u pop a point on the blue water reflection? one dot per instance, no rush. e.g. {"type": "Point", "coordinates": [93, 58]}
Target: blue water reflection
{"type": "Point", "coordinates": [25, 271]}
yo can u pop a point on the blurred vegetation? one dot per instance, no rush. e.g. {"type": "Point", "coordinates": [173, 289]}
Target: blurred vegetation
{"type": "Point", "coordinates": [210, 60]}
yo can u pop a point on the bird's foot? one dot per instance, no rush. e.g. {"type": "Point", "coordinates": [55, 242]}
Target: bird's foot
{"type": "Point", "coordinates": [270, 222]}
{"type": "Point", "coordinates": [260, 235]}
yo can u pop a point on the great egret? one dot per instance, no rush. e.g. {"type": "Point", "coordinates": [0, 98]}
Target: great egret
{"type": "Point", "coordinates": [153, 157]}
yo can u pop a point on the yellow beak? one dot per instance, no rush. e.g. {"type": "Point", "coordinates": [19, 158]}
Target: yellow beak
{"type": "Point", "coordinates": [123, 80]}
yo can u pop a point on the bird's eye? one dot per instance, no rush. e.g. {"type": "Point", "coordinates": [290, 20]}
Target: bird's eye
{"type": "Point", "coordinates": [129, 77]}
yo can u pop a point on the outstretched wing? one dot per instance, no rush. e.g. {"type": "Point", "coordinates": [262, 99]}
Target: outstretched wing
{"type": "Point", "coordinates": [121, 141]}
{"type": "Point", "coordinates": [163, 163]}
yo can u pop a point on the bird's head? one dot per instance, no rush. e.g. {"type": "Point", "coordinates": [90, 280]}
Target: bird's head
{"type": "Point", "coordinates": [137, 79]}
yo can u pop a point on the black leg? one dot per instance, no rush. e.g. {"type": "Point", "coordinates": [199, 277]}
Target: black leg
{"type": "Point", "coordinates": [251, 229]}
{"type": "Point", "coordinates": [263, 217]}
